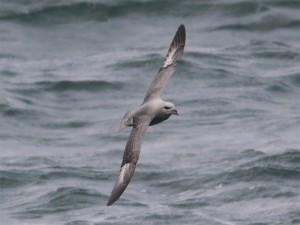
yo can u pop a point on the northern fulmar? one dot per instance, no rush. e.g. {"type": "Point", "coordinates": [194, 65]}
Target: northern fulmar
{"type": "Point", "coordinates": [152, 111]}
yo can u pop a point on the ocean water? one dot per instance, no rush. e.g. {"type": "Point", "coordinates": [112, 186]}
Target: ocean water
{"type": "Point", "coordinates": [70, 69]}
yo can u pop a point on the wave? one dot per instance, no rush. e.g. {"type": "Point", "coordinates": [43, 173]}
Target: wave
{"type": "Point", "coordinates": [273, 50]}
{"type": "Point", "coordinates": [78, 222]}
{"type": "Point", "coordinates": [267, 49]}
{"type": "Point", "coordinates": [267, 23]}
{"type": "Point", "coordinates": [62, 86]}
{"type": "Point", "coordinates": [84, 85]}
{"type": "Point", "coordinates": [12, 179]}
{"type": "Point", "coordinates": [256, 179]}
{"type": "Point", "coordinates": [285, 84]}
{"type": "Point", "coordinates": [276, 56]}
{"type": "Point", "coordinates": [64, 12]}
{"type": "Point", "coordinates": [25, 99]}
{"type": "Point", "coordinates": [61, 200]}
{"type": "Point", "coordinates": [17, 112]}
{"type": "Point", "coordinates": [38, 170]}
{"type": "Point", "coordinates": [280, 167]}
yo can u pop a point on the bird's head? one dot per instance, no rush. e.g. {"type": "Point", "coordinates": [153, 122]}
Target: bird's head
{"type": "Point", "coordinates": [169, 108]}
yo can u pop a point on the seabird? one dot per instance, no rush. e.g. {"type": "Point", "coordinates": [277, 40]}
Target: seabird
{"type": "Point", "coordinates": [152, 111]}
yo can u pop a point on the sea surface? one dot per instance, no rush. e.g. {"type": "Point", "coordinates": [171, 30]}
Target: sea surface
{"type": "Point", "coordinates": [69, 70]}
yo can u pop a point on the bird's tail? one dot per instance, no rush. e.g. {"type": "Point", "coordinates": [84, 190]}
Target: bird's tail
{"type": "Point", "coordinates": [127, 121]}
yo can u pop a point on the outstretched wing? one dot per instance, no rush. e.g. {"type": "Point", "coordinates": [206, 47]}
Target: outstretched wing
{"type": "Point", "coordinates": [174, 54]}
{"type": "Point", "coordinates": [130, 158]}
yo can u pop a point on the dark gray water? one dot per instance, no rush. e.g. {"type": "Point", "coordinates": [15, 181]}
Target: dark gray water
{"type": "Point", "coordinates": [70, 69]}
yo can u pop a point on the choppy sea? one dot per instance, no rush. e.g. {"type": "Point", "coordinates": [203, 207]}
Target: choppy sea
{"type": "Point", "coordinates": [70, 69]}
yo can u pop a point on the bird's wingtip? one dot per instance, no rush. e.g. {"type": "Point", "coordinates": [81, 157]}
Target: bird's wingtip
{"type": "Point", "coordinates": [176, 48]}
{"type": "Point", "coordinates": [126, 173]}
{"type": "Point", "coordinates": [109, 203]}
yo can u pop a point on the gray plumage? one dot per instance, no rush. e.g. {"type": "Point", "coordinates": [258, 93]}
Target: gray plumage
{"type": "Point", "coordinates": [152, 111]}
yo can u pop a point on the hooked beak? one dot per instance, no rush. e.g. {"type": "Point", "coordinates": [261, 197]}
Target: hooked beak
{"type": "Point", "coordinates": [175, 112]}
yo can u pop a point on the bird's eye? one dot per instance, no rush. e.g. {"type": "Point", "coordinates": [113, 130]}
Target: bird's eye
{"type": "Point", "coordinates": [167, 107]}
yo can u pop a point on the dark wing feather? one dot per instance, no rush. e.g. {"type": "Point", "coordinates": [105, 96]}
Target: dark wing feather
{"type": "Point", "coordinates": [174, 54]}
{"type": "Point", "coordinates": [130, 158]}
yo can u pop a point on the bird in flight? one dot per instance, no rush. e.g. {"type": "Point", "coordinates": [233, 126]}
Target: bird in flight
{"type": "Point", "coordinates": [152, 111]}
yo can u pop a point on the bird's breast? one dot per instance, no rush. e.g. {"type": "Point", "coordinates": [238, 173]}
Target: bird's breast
{"type": "Point", "coordinates": [159, 118]}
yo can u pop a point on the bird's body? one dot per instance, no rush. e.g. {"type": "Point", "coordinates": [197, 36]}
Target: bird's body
{"type": "Point", "coordinates": [152, 111]}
